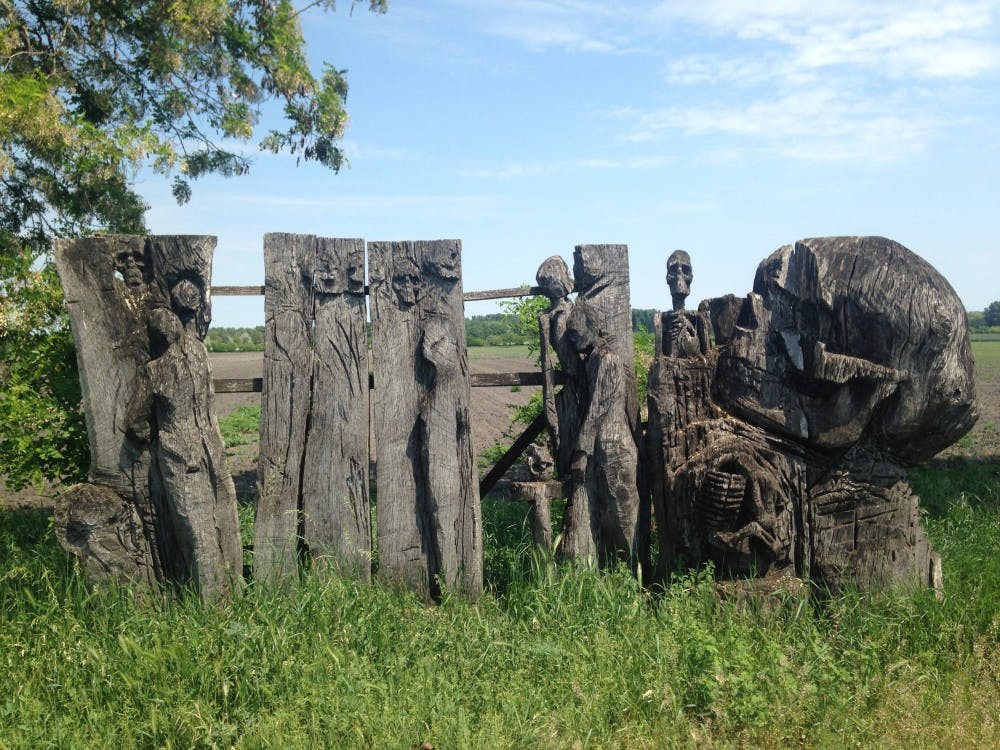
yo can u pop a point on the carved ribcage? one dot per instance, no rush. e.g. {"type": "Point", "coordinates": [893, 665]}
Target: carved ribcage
{"type": "Point", "coordinates": [719, 500]}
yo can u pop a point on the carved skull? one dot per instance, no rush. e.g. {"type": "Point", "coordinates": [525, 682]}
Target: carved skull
{"type": "Point", "coordinates": [851, 337]}
{"type": "Point", "coordinates": [554, 279]}
{"type": "Point", "coordinates": [679, 277]}
{"type": "Point", "coordinates": [444, 260]}
{"type": "Point", "coordinates": [131, 266]}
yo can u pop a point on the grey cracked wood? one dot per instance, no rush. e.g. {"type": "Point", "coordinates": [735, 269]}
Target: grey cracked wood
{"type": "Point", "coordinates": [139, 309]}
{"type": "Point", "coordinates": [313, 469]}
{"type": "Point", "coordinates": [429, 518]}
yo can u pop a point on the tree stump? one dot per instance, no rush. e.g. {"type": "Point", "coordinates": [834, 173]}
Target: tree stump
{"type": "Point", "coordinates": [429, 517]}
{"type": "Point", "coordinates": [313, 470]}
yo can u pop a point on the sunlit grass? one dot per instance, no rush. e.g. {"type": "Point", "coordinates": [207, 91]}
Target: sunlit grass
{"type": "Point", "coordinates": [548, 657]}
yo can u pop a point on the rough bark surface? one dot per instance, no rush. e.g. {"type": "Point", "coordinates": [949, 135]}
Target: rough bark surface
{"type": "Point", "coordinates": [784, 447]}
{"type": "Point", "coordinates": [139, 309]}
{"type": "Point", "coordinates": [429, 518]}
{"type": "Point", "coordinates": [605, 521]}
{"type": "Point", "coordinates": [313, 468]}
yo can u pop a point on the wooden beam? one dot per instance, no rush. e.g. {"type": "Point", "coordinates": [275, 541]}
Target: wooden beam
{"type": "Point", "coordinates": [237, 291]}
{"type": "Point", "coordinates": [479, 380]}
{"type": "Point", "coordinates": [518, 291]}
{"type": "Point", "coordinates": [513, 453]}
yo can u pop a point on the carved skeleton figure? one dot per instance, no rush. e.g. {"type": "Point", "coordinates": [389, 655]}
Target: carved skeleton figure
{"type": "Point", "coordinates": [680, 333]}
{"type": "Point", "coordinates": [561, 409]}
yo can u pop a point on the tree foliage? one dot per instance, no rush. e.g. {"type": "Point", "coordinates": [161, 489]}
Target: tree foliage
{"type": "Point", "coordinates": [991, 315]}
{"type": "Point", "coordinates": [91, 92]}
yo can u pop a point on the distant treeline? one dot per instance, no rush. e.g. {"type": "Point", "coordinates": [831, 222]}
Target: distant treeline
{"type": "Point", "coordinates": [497, 329]}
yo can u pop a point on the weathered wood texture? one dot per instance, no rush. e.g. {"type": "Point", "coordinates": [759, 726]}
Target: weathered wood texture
{"type": "Point", "coordinates": [429, 518]}
{"type": "Point", "coordinates": [139, 309]}
{"type": "Point", "coordinates": [313, 468]}
{"type": "Point", "coordinates": [605, 521]}
{"type": "Point", "coordinates": [849, 361]}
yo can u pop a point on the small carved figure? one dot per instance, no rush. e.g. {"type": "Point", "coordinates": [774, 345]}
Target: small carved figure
{"type": "Point", "coordinates": [680, 333]}
{"type": "Point", "coordinates": [602, 519]}
{"type": "Point", "coordinates": [406, 282]}
{"type": "Point", "coordinates": [561, 409]}
{"type": "Point", "coordinates": [173, 410]}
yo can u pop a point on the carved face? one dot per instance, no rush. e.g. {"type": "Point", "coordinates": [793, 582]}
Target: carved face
{"type": "Point", "coordinates": [332, 276]}
{"type": "Point", "coordinates": [846, 337]}
{"type": "Point", "coordinates": [553, 278]}
{"type": "Point", "coordinates": [186, 296]}
{"type": "Point", "coordinates": [406, 282]}
{"type": "Point", "coordinates": [131, 266]}
{"type": "Point", "coordinates": [444, 261]}
{"type": "Point", "coordinates": [679, 275]}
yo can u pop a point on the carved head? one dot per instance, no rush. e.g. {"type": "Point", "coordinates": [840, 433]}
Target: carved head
{"type": "Point", "coordinates": [554, 279]}
{"type": "Point", "coordinates": [851, 337]}
{"type": "Point", "coordinates": [131, 266]}
{"type": "Point", "coordinates": [356, 272]}
{"type": "Point", "coordinates": [444, 260]}
{"type": "Point", "coordinates": [406, 282]}
{"type": "Point", "coordinates": [186, 297]}
{"type": "Point", "coordinates": [679, 277]}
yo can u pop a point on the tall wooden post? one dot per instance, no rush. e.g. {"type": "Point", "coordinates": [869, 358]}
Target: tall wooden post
{"type": "Point", "coordinates": [313, 469]}
{"type": "Point", "coordinates": [429, 517]}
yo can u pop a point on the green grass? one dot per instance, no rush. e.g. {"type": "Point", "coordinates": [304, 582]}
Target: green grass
{"type": "Point", "coordinates": [241, 426]}
{"type": "Point", "coordinates": [986, 355]}
{"type": "Point", "coordinates": [548, 657]}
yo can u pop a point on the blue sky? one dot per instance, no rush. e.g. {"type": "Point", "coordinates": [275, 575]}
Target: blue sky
{"type": "Point", "coordinates": [725, 128]}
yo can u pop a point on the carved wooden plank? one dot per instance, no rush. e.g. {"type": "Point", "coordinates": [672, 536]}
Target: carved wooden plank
{"type": "Point", "coordinates": [429, 519]}
{"type": "Point", "coordinates": [607, 516]}
{"type": "Point", "coordinates": [140, 309]}
{"type": "Point", "coordinates": [336, 523]}
{"type": "Point", "coordinates": [314, 417]}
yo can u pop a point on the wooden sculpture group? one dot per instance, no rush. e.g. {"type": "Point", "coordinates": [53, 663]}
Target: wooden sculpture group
{"type": "Point", "coordinates": [779, 425]}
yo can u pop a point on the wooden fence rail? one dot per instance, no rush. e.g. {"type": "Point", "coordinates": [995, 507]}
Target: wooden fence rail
{"type": "Point", "coordinates": [517, 291]}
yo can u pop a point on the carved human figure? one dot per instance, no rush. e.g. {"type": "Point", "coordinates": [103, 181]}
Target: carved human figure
{"type": "Point", "coordinates": [602, 519]}
{"type": "Point", "coordinates": [406, 282]}
{"type": "Point", "coordinates": [191, 484]}
{"type": "Point", "coordinates": [446, 427]}
{"type": "Point", "coordinates": [561, 409]}
{"type": "Point", "coordinates": [680, 333]}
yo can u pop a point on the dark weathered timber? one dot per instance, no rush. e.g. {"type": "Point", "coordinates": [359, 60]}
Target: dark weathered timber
{"type": "Point", "coordinates": [285, 403]}
{"type": "Point", "coordinates": [849, 361]}
{"type": "Point", "coordinates": [502, 466]}
{"type": "Point", "coordinates": [607, 517]}
{"type": "Point", "coordinates": [238, 385]}
{"type": "Point", "coordinates": [559, 358]}
{"type": "Point", "coordinates": [238, 291]}
{"type": "Point", "coordinates": [313, 469]}
{"type": "Point", "coordinates": [336, 518]}
{"type": "Point", "coordinates": [140, 308]}
{"type": "Point", "coordinates": [429, 518]}
{"type": "Point", "coordinates": [517, 291]}
{"type": "Point", "coordinates": [478, 380]}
